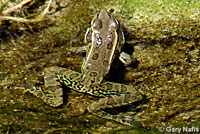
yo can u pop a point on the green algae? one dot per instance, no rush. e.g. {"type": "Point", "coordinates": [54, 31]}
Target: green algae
{"type": "Point", "coordinates": [165, 35]}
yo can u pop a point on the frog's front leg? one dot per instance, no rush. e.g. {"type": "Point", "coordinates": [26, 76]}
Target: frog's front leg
{"type": "Point", "coordinates": [81, 49]}
{"type": "Point", "coordinates": [128, 96]}
{"type": "Point", "coordinates": [86, 47]}
{"type": "Point", "coordinates": [51, 93]}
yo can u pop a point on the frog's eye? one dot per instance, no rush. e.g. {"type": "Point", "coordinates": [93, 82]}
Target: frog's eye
{"type": "Point", "coordinates": [97, 24]}
{"type": "Point", "coordinates": [113, 25]}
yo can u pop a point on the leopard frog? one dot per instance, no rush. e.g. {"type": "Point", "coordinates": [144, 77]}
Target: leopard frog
{"type": "Point", "coordinates": [106, 42]}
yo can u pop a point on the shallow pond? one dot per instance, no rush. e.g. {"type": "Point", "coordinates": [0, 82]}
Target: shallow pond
{"type": "Point", "coordinates": [166, 40]}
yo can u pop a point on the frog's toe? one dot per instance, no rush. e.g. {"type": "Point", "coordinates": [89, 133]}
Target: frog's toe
{"type": "Point", "coordinates": [29, 88]}
{"type": "Point", "coordinates": [132, 122]}
{"type": "Point", "coordinates": [128, 121]}
{"type": "Point", "coordinates": [37, 91]}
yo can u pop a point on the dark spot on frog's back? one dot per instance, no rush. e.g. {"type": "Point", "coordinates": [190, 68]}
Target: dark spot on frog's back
{"type": "Point", "coordinates": [93, 74]}
{"type": "Point", "coordinates": [95, 56]}
{"type": "Point", "coordinates": [109, 46]}
{"type": "Point", "coordinates": [105, 63]}
{"type": "Point", "coordinates": [91, 81]}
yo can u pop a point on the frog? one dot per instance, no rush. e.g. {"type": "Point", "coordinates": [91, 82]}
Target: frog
{"type": "Point", "coordinates": [103, 47]}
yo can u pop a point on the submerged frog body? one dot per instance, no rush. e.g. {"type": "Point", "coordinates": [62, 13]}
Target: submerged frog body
{"type": "Point", "coordinates": [106, 42]}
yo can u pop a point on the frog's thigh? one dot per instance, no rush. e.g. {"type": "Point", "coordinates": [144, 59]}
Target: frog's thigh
{"type": "Point", "coordinates": [53, 89]}
{"type": "Point", "coordinates": [130, 96]}
{"type": "Point", "coordinates": [75, 76]}
{"type": "Point", "coordinates": [53, 94]}
{"type": "Point", "coordinates": [124, 95]}
{"type": "Point", "coordinates": [114, 101]}
{"type": "Point", "coordinates": [52, 82]}
{"type": "Point", "coordinates": [127, 118]}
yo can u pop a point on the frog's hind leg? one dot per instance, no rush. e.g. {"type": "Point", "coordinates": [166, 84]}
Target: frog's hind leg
{"type": "Point", "coordinates": [128, 95]}
{"type": "Point", "coordinates": [127, 118]}
{"type": "Point", "coordinates": [52, 92]}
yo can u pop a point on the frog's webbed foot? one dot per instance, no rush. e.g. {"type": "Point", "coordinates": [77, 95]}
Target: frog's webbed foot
{"type": "Point", "coordinates": [51, 93]}
{"type": "Point", "coordinates": [51, 99]}
{"type": "Point", "coordinates": [123, 118]}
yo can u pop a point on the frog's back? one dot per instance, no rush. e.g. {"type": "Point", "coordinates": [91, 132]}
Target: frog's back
{"type": "Point", "coordinates": [102, 51]}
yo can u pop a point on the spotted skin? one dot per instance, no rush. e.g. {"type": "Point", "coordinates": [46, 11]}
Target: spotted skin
{"type": "Point", "coordinates": [105, 43]}
{"type": "Point", "coordinates": [99, 57]}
